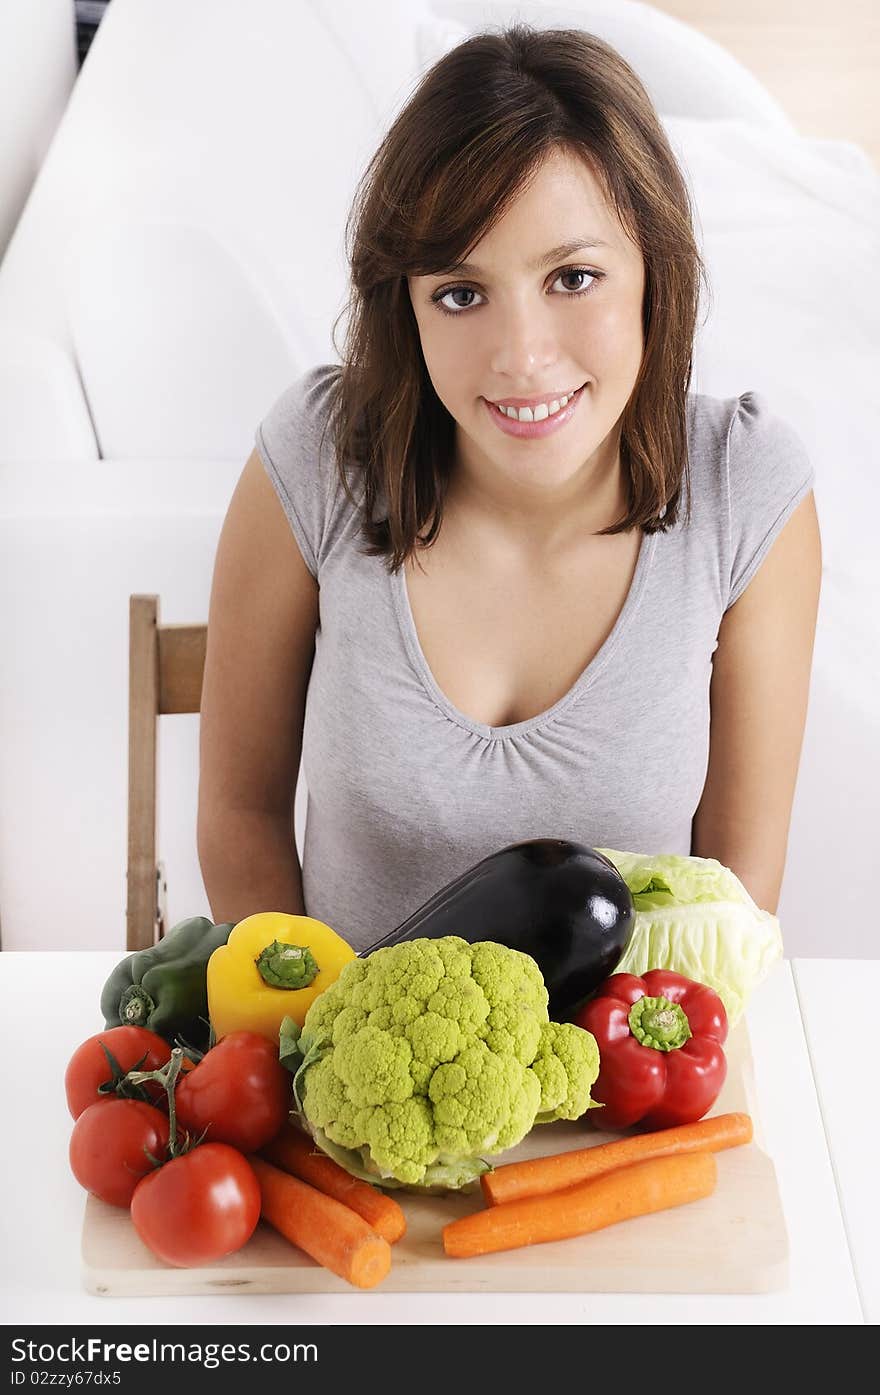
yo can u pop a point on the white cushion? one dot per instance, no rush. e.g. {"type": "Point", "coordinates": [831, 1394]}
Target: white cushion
{"type": "Point", "coordinates": [38, 68]}
{"type": "Point", "coordinates": [43, 414]}
{"type": "Point", "coordinates": [256, 133]}
{"type": "Point", "coordinates": [685, 72]}
{"type": "Point", "coordinates": [179, 346]}
{"type": "Point", "coordinates": [788, 314]}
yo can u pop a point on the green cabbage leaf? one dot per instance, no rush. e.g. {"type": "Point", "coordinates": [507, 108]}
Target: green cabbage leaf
{"type": "Point", "coordinates": [695, 917]}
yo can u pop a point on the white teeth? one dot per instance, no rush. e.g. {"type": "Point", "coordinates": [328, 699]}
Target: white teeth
{"type": "Point", "coordinates": [539, 413]}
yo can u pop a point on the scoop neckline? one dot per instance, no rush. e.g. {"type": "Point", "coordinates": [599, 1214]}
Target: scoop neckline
{"type": "Point", "coordinates": [586, 677]}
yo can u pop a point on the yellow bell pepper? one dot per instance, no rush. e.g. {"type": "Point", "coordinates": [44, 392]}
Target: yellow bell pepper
{"type": "Point", "coordinates": [272, 966]}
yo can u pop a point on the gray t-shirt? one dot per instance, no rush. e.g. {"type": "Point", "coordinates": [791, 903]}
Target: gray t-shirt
{"type": "Point", "coordinates": [404, 791]}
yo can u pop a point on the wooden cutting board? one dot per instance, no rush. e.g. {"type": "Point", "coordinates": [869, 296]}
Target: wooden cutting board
{"type": "Point", "coordinates": [731, 1242]}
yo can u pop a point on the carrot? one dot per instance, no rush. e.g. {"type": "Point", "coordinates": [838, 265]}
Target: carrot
{"type": "Point", "coordinates": [295, 1152]}
{"type": "Point", "coordinates": [637, 1190]}
{"type": "Point", "coordinates": [515, 1181]}
{"type": "Point", "coordinates": [328, 1231]}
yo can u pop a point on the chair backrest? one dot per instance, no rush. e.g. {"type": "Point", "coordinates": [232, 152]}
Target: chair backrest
{"type": "Point", "coordinates": [165, 668]}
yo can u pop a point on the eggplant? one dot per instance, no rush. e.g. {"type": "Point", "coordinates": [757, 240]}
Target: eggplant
{"type": "Point", "coordinates": [563, 903]}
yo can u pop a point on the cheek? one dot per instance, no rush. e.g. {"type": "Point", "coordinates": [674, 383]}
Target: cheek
{"type": "Point", "coordinates": [439, 349]}
{"type": "Point", "coordinates": [442, 376]}
{"type": "Point", "coordinates": [441, 368]}
{"type": "Point", "coordinates": [612, 333]}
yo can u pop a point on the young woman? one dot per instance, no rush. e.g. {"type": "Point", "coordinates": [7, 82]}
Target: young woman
{"type": "Point", "coordinates": [500, 574]}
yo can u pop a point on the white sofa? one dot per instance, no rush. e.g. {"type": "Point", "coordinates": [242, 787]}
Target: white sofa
{"type": "Point", "coordinates": [38, 67]}
{"type": "Point", "coordinates": [180, 260]}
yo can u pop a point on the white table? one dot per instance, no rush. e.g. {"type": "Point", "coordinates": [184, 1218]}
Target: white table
{"type": "Point", "coordinates": [49, 1004]}
{"type": "Point", "coordinates": [840, 1008]}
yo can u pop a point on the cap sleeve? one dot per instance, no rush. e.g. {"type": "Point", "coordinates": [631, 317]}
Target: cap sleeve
{"type": "Point", "coordinates": [288, 441]}
{"type": "Point", "coordinates": [768, 474]}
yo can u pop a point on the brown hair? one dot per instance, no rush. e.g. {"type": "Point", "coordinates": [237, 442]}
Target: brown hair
{"type": "Point", "coordinates": [479, 123]}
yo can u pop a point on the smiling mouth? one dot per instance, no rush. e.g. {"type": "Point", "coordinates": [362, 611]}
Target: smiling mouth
{"type": "Point", "coordinates": [539, 411]}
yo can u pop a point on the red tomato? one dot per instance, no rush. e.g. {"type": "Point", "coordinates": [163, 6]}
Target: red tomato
{"type": "Point", "coordinates": [239, 1092]}
{"type": "Point", "coordinates": [199, 1207]}
{"type": "Point", "coordinates": [109, 1146]}
{"type": "Point", "coordinates": [88, 1067]}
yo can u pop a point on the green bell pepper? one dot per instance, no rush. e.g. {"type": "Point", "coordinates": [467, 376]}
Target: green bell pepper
{"type": "Point", "coordinates": [164, 987]}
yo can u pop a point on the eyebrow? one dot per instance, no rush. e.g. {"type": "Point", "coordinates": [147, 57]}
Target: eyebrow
{"type": "Point", "coordinates": [565, 249]}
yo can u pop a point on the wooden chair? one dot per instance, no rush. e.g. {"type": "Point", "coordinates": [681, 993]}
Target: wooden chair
{"type": "Point", "coordinates": [165, 668]}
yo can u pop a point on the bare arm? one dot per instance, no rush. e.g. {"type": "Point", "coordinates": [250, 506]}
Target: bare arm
{"type": "Point", "coordinates": [758, 698]}
{"type": "Point", "coordinates": [261, 638]}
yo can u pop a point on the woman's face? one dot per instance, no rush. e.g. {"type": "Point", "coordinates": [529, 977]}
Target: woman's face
{"type": "Point", "coordinates": [531, 321]}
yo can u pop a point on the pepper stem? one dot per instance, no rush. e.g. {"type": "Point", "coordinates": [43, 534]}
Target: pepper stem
{"type": "Point", "coordinates": [287, 966]}
{"type": "Point", "coordinates": [659, 1023]}
{"type": "Point", "coordinates": [135, 1007]}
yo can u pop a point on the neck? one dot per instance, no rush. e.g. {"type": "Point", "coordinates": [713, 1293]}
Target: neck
{"type": "Point", "coordinates": [527, 514]}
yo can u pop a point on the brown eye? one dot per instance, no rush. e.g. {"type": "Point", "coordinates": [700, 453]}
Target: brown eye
{"type": "Point", "coordinates": [578, 271]}
{"type": "Point", "coordinates": [440, 296]}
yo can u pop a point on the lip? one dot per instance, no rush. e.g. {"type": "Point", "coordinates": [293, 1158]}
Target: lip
{"type": "Point", "coordinates": [530, 430]}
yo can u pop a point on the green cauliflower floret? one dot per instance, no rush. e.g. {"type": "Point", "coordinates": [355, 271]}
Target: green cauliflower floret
{"type": "Point", "coordinates": [567, 1065]}
{"type": "Point", "coordinates": [428, 1057]}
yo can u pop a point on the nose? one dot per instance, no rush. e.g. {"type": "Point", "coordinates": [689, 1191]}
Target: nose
{"type": "Point", "coordinates": [524, 345]}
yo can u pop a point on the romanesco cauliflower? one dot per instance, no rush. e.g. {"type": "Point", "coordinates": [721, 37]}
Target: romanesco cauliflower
{"type": "Point", "coordinates": [430, 1055]}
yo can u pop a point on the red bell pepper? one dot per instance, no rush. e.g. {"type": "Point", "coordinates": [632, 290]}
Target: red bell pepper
{"type": "Point", "coordinates": [661, 1056]}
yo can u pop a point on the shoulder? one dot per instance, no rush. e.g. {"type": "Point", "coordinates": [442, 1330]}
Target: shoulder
{"type": "Point", "coordinates": [744, 442]}
{"type": "Point", "coordinates": [298, 414]}
{"type": "Point", "coordinates": [750, 468]}
{"type": "Point", "coordinates": [296, 447]}
{"type": "Point", "coordinates": [763, 447]}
